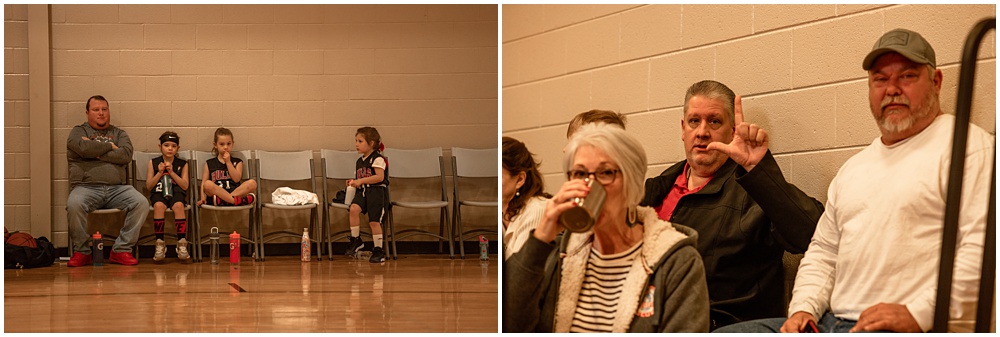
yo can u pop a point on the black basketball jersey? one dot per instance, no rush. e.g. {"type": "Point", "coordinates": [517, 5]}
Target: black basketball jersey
{"type": "Point", "coordinates": [219, 173]}
{"type": "Point", "coordinates": [178, 166]}
{"type": "Point", "coordinates": [364, 168]}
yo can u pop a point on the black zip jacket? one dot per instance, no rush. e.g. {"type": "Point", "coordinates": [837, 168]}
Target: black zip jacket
{"type": "Point", "coordinates": [745, 221]}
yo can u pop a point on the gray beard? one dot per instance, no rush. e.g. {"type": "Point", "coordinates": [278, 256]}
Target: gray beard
{"type": "Point", "coordinates": [916, 113]}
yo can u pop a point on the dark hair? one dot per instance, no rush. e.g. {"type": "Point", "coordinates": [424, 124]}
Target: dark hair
{"type": "Point", "coordinates": [97, 97]}
{"type": "Point", "coordinates": [170, 136]}
{"type": "Point", "coordinates": [220, 132]}
{"type": "Point", "coordinates": [517, 159]}
{"type": "Point", "coordinates": [371, 135]}
{"type": "Point", "coordinates": [594, 116]}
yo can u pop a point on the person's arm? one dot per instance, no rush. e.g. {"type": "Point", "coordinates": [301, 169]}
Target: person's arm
{"type": "Point", "coordinates": [122, 151]}
{"type": "Point", "coordinates": [375, 179]}
{"type": "Point", "coordinates": [526, 286]}
{"type": "Point", "coordinates": [815, 277]}
{"type": "Point", "coordinates": [181, 180]}
{"type": "Point", "coordinates": [235, 171]}
{"type": "Point", "coordinates": [793, 213]}
{"type": "Point", "coordinates": [79, 145]}
{"type": "Point", "coordinates": [685, 294]}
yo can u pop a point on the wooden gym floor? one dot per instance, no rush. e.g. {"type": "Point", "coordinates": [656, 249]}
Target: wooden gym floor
{"type": "Point", "coordinates": [417, 293]}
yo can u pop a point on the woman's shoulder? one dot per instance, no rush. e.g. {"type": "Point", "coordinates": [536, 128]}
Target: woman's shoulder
{"type": "Point", "coordinates": [536, 202]}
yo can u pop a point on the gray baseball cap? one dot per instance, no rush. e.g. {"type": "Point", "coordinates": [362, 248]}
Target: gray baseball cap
{"type": "Point", "coordinates": [905, 42]}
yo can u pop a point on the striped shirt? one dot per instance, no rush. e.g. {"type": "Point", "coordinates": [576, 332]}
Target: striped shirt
{"type": "Point", "coordinates": [602, 287]}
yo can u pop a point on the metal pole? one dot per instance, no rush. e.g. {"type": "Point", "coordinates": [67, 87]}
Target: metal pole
{"type": "Point", "coordinates": [954, 196]}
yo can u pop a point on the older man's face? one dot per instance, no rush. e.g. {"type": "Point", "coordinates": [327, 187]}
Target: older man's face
{"type": "Point", "coordinates": [705, 121]}
{"type": "Point", "coordinates": [903, 96]}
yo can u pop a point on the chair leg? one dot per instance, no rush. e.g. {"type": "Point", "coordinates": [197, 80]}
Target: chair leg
{"type": "Point", "coordinates": [392, 232]}
{"type": "Point", "coordinates": [258, 233]}
{"type": "Point", "coordinates": [319, 245]}
{"type": "Point", "coordinates": [457, 231]}
{"type": "Point", "coordinates": [450, 228]}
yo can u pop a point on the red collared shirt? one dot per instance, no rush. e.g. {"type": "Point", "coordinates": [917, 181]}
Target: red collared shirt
{"type": "Point", "coordinates": [680, 189]}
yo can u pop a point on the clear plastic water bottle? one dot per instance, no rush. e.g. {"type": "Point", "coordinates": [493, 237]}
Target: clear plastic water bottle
{"type": "Point", "coordinates": [306, 249]}
{"type": "Point", "coordinates": [98, 251]}
{"type": "Point", "coordinates": [168, 186]}
{"type": "Point", "coordinates": [214, 245]}
{"type": "Point", "coordinates": [484, 248]}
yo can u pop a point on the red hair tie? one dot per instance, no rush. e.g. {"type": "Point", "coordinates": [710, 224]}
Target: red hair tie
{"type": "Point", "coordinates": [381, 147]}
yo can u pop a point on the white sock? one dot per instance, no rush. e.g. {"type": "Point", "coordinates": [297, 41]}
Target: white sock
{"type": "Point", "coordinates": [355, 231]}
{"type": "Point", "coordinates": [378, 240]}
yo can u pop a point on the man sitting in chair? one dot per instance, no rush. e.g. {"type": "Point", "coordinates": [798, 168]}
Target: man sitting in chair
{"type": "Point", "coordinates": [98, 154]}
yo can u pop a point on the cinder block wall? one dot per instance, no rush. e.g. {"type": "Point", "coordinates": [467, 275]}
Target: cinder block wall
{"type": "Point", "coordinates": [281, 77]}
{"type": "Point", "coordinates": [798, 68]}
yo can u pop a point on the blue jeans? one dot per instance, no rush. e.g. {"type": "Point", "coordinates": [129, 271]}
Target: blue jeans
{"type": "Point", "coordinates": [828, 323]}
{"type": "Point", "coordinates": [84, 199]}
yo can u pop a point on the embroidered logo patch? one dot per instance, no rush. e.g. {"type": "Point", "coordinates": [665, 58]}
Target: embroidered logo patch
{"type": "Point", "coordinates": [646, 307]}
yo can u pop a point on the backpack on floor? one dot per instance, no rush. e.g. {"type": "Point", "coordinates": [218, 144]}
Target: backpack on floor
{"type": "Point", "coordinates": [21, 257]}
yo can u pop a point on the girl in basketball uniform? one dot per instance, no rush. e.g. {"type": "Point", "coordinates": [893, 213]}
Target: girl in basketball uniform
{"type": "Point", "coordinates": [225, 173]}
{"type": "Point", "coordinates": [168, 165]}
{"type": "Point", "coordinates": [371, 179]}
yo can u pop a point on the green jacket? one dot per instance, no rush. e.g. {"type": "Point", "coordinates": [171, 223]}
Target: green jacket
{"type": "Point", "coordinates": [665, 290]}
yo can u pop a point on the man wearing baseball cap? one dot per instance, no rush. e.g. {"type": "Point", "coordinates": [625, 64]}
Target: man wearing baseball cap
{"type": "Point", "coordinates": [872, 264]}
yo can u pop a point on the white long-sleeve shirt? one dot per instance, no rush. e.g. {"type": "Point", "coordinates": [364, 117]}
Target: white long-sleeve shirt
{"type": "Point", "coordinates": [879, 239]}
{"type": "Point", "coordinates": [520, 227]}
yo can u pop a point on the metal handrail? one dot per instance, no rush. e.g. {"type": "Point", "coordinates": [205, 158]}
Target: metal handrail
{"type": "Point", "coordinates": [950, 233]}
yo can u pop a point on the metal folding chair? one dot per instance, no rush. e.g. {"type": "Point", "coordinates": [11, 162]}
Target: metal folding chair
{"type": "Point", "coordinates": [469, 164]}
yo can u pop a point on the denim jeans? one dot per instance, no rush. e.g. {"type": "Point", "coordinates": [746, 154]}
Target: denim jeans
{"type": "Point", "coordinates": [828, 323]}
{"type": "Point", "coordinates": [84, 199]}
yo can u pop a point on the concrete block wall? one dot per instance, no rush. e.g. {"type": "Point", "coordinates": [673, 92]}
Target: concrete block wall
{"type": "Point", "coordinates": [281, 77]}
{"type": "Point", "coordinates": [798, 68]}
{"type": "Point", "coordinates": [17, 170]}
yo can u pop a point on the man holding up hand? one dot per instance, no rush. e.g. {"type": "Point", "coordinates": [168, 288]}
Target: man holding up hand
{"type": "Point", "coordinates": [731, 190]}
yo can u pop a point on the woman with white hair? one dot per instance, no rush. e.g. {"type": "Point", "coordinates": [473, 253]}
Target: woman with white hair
{"type": "Point", "coordinates": [631, 272]}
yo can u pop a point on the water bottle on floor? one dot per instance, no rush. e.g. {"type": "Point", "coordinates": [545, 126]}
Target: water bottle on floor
{"type": "Point", "coordinates": [484, 248]}
{"type": "Point", "coordinates": [98, 251]}
{"type": "Point", "coordinates": [306, 249]}
{"type": "Point", "coordinates": [234, 248]}
{"type": "Point", "coordinates": [214, 245]}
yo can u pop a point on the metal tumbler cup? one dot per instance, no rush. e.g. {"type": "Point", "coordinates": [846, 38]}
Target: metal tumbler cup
{"type": "Point", "coordinates": [582, 217]}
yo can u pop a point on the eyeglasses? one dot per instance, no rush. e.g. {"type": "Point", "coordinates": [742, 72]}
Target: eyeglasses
{"type": "Point", "coordinates": [605, 176]}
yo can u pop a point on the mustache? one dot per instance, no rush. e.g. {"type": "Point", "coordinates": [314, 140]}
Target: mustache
{"type": "Point", "coordinates": [895, 100]}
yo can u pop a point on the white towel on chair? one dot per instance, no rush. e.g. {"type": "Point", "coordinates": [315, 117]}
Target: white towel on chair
{"type": "Point", "coordinates": [289, 196]}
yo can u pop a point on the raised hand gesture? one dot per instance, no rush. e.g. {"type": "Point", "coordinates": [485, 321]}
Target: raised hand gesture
{"type": "Point", "coordinates": [749, 143]}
